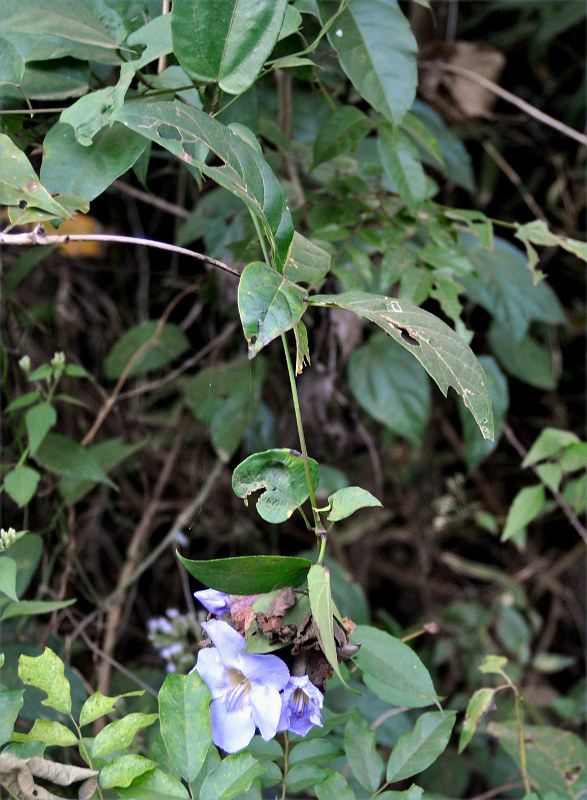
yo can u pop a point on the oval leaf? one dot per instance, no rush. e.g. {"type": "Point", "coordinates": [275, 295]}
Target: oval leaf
{"type": "Point", "coordinates": [118, 735]}
{"type": "Point", "coordinates": [391, 669]}
{"type": "Point", "coordinates": [418, 749]}
{"type": "Point", "coordinates": [231, 777]}
{"type": "Point", "coordinates": [281, 475]}
{"type": "Point", "coordinates": [99, 704]}
{"type": "Point", "coordinates": [60, 454]}
{"type": "Point", "coordinates": [442, 352]}
{"type": "Point", "coordinates": [184, 712]}
{"type": "Point", "coordinates": [361, 749]}
{"type": "Point", "coordinates": [346, 501]}
{"type": "Point", "coordinates": [21, 484]}
{"type": "Point", "coordinates": [122, 771]}
{"type": "Point", "coordinates": [165, 346]}
{"type": "Point", "coordinates": [39, 419]}
{"type": "Point", "coordinates": [268, 303]}
{"type": "Point", "coordinates": [339, 133]}
{"type": "Point", "coordinates": [49, 733]}
{"type": "Point", "coordinates": [249, 574]}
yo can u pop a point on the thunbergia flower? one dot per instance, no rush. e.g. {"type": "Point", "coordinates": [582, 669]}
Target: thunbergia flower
{"type": "Point", "coordinates": [215, 602]}
{"type": "Point", "coordinates": [245, 688]}
{"type": "Point", "coordinates": [302, 706]}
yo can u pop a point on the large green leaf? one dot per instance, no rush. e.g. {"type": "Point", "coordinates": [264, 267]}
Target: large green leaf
{"type": "Point", "coordinates": [122, 770]}
{"type": "Point", "coordinates": [245, 173]}
{"type": "Point", "coordinates": [249, 574]}
{"type": "Point", "coordinates": [119, 734]}
{"type": "Point", "coordinates": [48, 29]}
{"type": "Point", "coordinates": [166, 345]}
{"type": "Point", "coordinates": [361, 749]}
{"type": "Point", "coordinates": [228, 42]}
{"type": "Point", "coordinates": [281, 476]}
{"type": "Point", "coordinates": [185, 722]}
{"type": "Point", "coordinates": [268, 303]}
{"type": "Point", "coordinates": [226, 398]}
{"type": "Point", "coordinates": [391, 386]}
{"type": "Point", "coordinates": [555, 759]}
{"type": "Point", "coordinates": [527, 359]}
{"type": "Point", "coordinates": [391, 669]}
{"type": "Point", "coordinates": [71, 168]}
{"type": "Point", "coordinates": [377, 50]}
{"type": "Point", "coordinates": [416, 750]}
{"type": "Point", "coordinates": [442, 353]}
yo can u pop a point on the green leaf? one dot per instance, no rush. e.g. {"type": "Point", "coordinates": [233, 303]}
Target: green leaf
{"type": "Point", "coordinates": [231, 777]}
{"type": "Point", "coordinates": [11, 702]}
{"type": "Point", "coordinates": [302, 347]}
{"type": "Point", "coordinates": [70, 168]}
{"type": "Point", "coordinates": [159, 348]}
{"type": "Point", "coordinates": [549, 443]}
{"type": "Point", "coordinates": [19, 184]}
{"type": "Point", "coordinates": [11, 62]}
{"type": "Point", "coordinates": [377, 50]}
{"type": "Point", "coordinates": [340, 132]}
{"type": "Point", "coordinates": [345, 502]}
{"type": "Point", "coordinates": [401, 162]}
{"type": "Point", "coordinates": [184, 712]}
{"type": "Point", "coordinates": [301, 776]}
{"type": "Point", "coordinates": [391, 669]}
{"type": "Point", "coordinates": [476, 447]}
{"type": "Point", "coordinates": [323, 614]}
{"type": "Point", "coordinates": [413, 793]}
{"type": "Point", "coordinates": [60, 454]}
{"type": "Point", "coordinates": [122, 770]}
{"type": "Point", "coordinates": [555, 758]}
{"type": "Point", "coordinates": [49, 733]}
{"type": "Point", "coordinates": [108, 454]}
{"type": "Point", "coordinates": [457, 160]}
{"type": "Point", "coordinates": [503, 287]}
{"type": "Point", "coordinates": [47, 29]}
{"type": "Point", "coordinates": [156, 36]}
{"type": "Point", "coordinates": [119, 734]}
{"type": "Point", "coordinates": [21, 484]}
{"type": "Point", "coordinates": [32, 607]}
{"type": "Point", "coordinates": [226, 397]}
{"type": "Point", "coordinates": [314, 751]}
{"type": "Point", "coordinates": [98, 704]}
{"type": "Point", "coordinates": [226, 43]}
{"type": "Point", "coordinates": [360, 744]}
{"type": "Point", "coordinates": [418, 749]}
{"type": "Point", "coordinates": [307, 261]}
{"type": "Point", "coordinates": [493, 665]}
{"type": "Point", "coordinates": [39, 420]}
{"type": "Point", "coordinates": [8, 577]}
{"type": "Point", "coordinates": [47, 672]}
{"type": "Point", "coordinates": [475, 222]}
{"type": "Point", "coordinates": [21, 268]}
{"type": "Point", "coordinates": [268, 303]}
{"type": "Point", "coordinates": [423, 138]}
{"type": "Point", "coordinates": [334, 787]}
{"type": "Point", "coordinates": [249, 574]}
{"type": "Point", "coordinates": [538, 233]}
{"type": "Point", "coordinates": [154, 785]}
{"type": "Point", "coordinates": [88, 115]}
{"type": "Point", "coordinates": [528, 504]}
{"type": "Point", "coordinates": [442, 353]}
{"type": "Point", "coordinates": [281, 475]}
{"type": "Point", "coordinates": [480, 704]}
{"type": "Point", "coordinates": [391, 386]}
{"type": "Point", "coordinates": [527, 359]}
{"type": "Point", "coordinates": [243, 171]}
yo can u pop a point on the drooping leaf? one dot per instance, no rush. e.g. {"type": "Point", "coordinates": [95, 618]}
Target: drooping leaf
{"type": "Point", "coordinates": [341, 131]}
{"type": "Point", "coordinates": [480, 704]}
{"type": "Point", "coordinates": [346, 501]}
{"type": "Point", "coordinates": [391, 386]}
{"type": "Point", "coordinates": [62, 455]}
{"type": "Point", "coordinates": [231, 777]}
{"type": "Point", "coordinates": [242, 171]}
{"type": "Point", "coordinates": [47, 672]}
{"type": "Point", "coordinates": [417, 750]}
{"type": "Point", "coordinates": [166, 345]}
{"type": "Point", "coordinates": [361, 750]}
{"type": "Point", "coordinates": [323, 613]}
{"type": "Point", "coordinates": [281, 475]}
{"type": "Point", "coordinates": [184, 712]}
{"type": "Point", "coordinates": [442, 353]}
{"type": "Point", "coordinates": [226, 43]}
{"type": "Point", "coordinates": [476, 447]}
{"type": "Point", "coordinates": [377, 50]}
{"type": "Point", "coordinates": [268, 303]}
{"type": "Point", "coordinates": [26, 608]}
{"type": "Point", "coordinates": [249, 574]}
{"type": "Point", "coordinates": [391, 669]}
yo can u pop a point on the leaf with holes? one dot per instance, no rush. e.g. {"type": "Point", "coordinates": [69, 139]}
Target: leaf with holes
{"type": "Point", "coordinates": [268, 303]}
{"type": "Point", "coordinates": [442, 352]}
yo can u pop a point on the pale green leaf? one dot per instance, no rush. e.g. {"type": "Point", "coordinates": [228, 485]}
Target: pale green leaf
{"type": "Point", "coordinates": [230, 777]}
{"type": "Point", "coordinates": [47, 672]}
{"type": "Point", "coordinates": [118, 735]}
{"type": "Point", "coordinates": [185, 722]}
{"type": "Point", "coordinates": [527, 505]}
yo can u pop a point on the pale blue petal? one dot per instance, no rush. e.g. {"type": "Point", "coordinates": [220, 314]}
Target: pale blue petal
{"type": "Point", "coordinates": [230, 643]}
{"type": "Point", "coordinates": [264, 670]}
{"type": "Point", "coordinates": [300, 717]}
{"type": "Point", "coordinates": [231, 731]}
{"type": "Point", "coordinates": [266, 709]}
{"type": "Point", "coordinates": [214, 601]}
{"type": "Point", "coordinates": [212, 671]}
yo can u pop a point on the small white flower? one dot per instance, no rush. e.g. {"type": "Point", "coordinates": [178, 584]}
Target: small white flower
{"type": "Point", "coordinates": [25, 364]}
{"type": "Point", "coordinates": [58, 359]}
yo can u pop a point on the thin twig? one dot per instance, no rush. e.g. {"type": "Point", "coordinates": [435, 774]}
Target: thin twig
{"type": "Point", "coordinates": [561, 501]}
{"type": "Point", "coordinates": [150, 199]}
{"type": "Point", "coordinates": [507, 96]}
{"type": "Point", "coordinates": [39, 237]}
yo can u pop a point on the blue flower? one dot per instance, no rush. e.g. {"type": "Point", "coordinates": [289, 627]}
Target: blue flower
{"type": "Point", "coordinates": [245, 688]}
{"type": "Point", "coordinates": [302, 706]}
{"type": "Point", "coordinates": [217, 603]}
